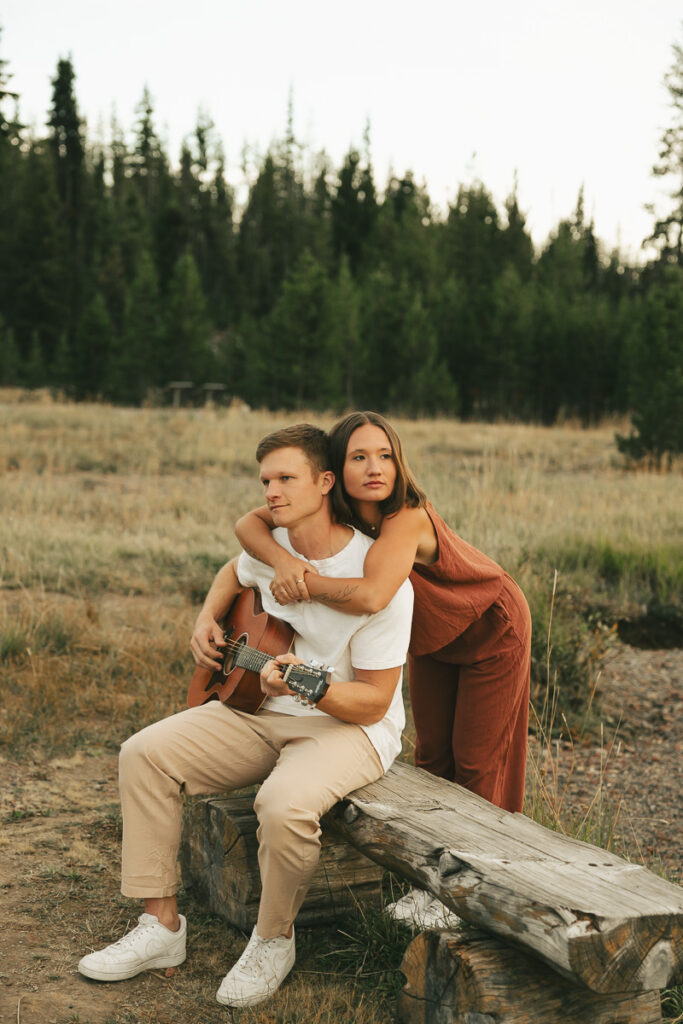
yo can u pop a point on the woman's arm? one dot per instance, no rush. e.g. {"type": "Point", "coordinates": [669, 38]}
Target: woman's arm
{"type": "Point", "coordinates": [253, 531]}
{"type": "Point", "coordinates": [387, 565]}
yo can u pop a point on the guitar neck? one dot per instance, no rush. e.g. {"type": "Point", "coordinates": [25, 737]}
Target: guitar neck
{"type": "Point", "coordinates": [251, 658]}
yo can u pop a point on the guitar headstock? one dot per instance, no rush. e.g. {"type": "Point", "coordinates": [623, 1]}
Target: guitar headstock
{"type": "Point", "coordinates": [309, 681]}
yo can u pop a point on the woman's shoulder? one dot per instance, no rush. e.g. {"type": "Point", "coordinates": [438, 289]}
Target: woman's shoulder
{"type": "Point", "coordinates": [406, 518]}
{"type": "Point", "coordinates": [414, 526]}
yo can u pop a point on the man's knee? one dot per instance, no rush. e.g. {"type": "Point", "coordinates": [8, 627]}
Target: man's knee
{"type": "Point", "coordinates": [137, 753]}
{"type": "Point", "coordinates": [284, 818]}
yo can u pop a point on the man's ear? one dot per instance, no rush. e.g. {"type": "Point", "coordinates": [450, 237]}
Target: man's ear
{"type": "Point", "coordinates": [328, 479]}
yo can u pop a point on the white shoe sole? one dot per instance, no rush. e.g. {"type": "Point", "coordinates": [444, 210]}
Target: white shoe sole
{"type": "Point", "coordinates": [131, 972]}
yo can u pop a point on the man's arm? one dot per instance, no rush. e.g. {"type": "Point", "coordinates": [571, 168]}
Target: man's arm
{"type": "Point", "coordinates": [363, 700]}
{"type": "Point", "coordinates": [208, 635]}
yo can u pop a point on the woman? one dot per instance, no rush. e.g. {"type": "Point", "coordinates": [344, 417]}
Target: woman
{"type": "Point", "coordinates": [471, 637]}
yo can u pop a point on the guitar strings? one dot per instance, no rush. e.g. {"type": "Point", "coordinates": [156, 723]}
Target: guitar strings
{"type": "Point", "coordinates": [252, 653]}
{"type": "Point", "coordinates": [233, 646]}
{"type": "Point", "coordinates": [256, 658]}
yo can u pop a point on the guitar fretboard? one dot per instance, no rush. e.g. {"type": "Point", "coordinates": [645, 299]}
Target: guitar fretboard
{"type": "Point", "coordinates": [250, 658]}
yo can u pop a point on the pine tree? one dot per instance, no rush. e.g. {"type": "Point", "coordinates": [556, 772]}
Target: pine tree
{"type": "Point", "coordinates": [222, 285]}
{"type": "Point", "coordinates": [66, 140]}
{"type": "Point", "coordinates": [509, 372]}
{"type": "Point", "coordinates": [298, 332]}
{"type": "Point", "coordinates": [472, 253]}
{"type": "Point", "coordinates": [37, 282]}
{"type": "Point", "coordinates": [10, 128]}
{"type": "Point", "coordinates": [278, 224]}
{"type": "Point", "coordinates": [186, 351]}
{"type": "Point", "coordinates": [34, 368]}
{"type": "Point", "coordinates": [61, 368]}
{"type": "Point", "coordinates": [68, 154]}
{"type": "Point", "coordinates": [136, 361]}
{"type": "Point", "coordinates": [10, 184]}
{"type": "Point", "coordinates": [516, 247]}
{"type": "Point", "coordinates": [147, 162]}
{"type": "Point", "coordinates": [404, 234]}
{"type": "Point", "coordinates": [656, 373]}
{"type": "Point", "coordinates": [345, 366]}
{"type": "Point", "coordinates": [354, 211]}
{"type": "Point", "coordinates": [667, 234]}
{"type": "Point", "coordinates": [91, 352]}
{"type": "Point", "coordinates": [9, 357]}
{"type": "Point", "coordinates": [382, 310]}
{"type": "Point", "coordinates": [423, 385]}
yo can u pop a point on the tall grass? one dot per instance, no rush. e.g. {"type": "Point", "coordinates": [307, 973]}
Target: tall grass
{"type": "Point", "coordinates": [546, 798]}
{"type": "Point", "coordinates": [113, 522]}
{"type": "Point", "coordinates": [104, 509]}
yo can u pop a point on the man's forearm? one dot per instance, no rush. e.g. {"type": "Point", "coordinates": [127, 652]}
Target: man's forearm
{"type": "Point", "coordinates": [354, 702]}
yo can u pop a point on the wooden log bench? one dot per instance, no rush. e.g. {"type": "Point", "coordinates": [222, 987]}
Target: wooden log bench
{"type": "Point", "coordinates": [563, 931]}
{"type": "Point", "coordinates": [218, 861]}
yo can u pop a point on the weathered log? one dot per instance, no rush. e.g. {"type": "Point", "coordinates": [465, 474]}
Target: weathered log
{"type": "Point", "coordinates": [219, 861]}
{"type": "Point", "coordinates": [597, 919]}
{"type": "Point", "coordinates": [469, 977]}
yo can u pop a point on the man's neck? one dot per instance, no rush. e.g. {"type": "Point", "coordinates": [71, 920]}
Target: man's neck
{"type": "Point", "coordinates": [319, 537]}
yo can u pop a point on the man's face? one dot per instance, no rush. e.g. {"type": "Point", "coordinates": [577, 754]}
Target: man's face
{"type": "Point", "coordinates": [291, 491]}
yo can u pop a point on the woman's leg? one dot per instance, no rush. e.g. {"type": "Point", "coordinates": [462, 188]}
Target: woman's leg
{"type": "Point", "coordinates": [490, 728]}
{"type": "Point", "coordinates": [433, 698]}
{"type": "Point", "coordinates": [477, 688]}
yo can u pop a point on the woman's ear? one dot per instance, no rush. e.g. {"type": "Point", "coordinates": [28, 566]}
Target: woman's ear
{"type": "Point", "coordinates": [327, 481]}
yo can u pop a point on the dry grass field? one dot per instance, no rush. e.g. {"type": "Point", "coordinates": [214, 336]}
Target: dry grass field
{"type": "Point", "coordinates": [112, 524]}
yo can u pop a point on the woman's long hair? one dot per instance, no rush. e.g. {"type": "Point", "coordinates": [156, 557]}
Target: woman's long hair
{"type": "Point", "coordinates": [406, 489]}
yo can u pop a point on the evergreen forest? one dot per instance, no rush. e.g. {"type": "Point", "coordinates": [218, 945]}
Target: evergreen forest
{"type": "Point", "coordinates": [122, 271]}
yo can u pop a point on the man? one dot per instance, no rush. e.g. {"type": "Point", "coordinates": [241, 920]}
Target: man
{"type": "Point", "coordinates": [305, 757]}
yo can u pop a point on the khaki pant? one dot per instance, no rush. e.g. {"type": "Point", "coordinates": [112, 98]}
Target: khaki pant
{"type": "Point", "coordinates": [305, 764]}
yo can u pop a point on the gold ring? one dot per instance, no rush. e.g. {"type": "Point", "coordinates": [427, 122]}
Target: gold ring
{"type": "Point", "coordinates": [301, 580]}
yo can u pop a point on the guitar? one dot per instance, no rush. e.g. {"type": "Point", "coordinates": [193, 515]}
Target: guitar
{"type": "Point", "coordinates": [252, 638]}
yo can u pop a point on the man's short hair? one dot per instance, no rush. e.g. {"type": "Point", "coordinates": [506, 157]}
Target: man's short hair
{"type": "Point", "coordinates": [312, 441]}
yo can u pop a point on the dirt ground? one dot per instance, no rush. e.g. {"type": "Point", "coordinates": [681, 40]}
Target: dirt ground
{"type": "Point", "coordinates": [59, 860]}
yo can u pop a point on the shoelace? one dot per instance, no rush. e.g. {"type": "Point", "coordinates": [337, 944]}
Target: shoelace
{"type": "Point", "coordinates": [127, 940]}
{"type": "Point", "coordinates": [251, 961]}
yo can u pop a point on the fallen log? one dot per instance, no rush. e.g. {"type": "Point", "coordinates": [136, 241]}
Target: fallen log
{"type": "Point", "coordinates": [467, 976]}
{"type": "Point", "coordinates": [597, 919]}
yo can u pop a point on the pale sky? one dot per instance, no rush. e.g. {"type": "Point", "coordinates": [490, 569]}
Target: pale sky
{"type": "Point", "coordinates": [561, 93]}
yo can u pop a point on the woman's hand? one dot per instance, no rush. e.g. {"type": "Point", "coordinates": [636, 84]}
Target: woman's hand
{"type": "Point", "coordinates": [289, 582]}
{"type": "Point", "coordinates": [272, 683]}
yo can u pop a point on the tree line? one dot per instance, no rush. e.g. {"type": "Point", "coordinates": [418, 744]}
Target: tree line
{"type": "Point", "coordinates": [120, 272]}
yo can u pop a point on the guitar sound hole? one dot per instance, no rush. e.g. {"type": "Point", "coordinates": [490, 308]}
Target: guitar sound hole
{"type": "Point", "coordinates": [229, 661]}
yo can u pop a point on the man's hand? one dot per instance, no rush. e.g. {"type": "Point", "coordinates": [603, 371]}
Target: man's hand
{"type": "Point", "coordinates": [289, 582]}
{"type": "Point", "coordinates": [272, 683]}
{"type": "Point", "coordinates": [207, 636]}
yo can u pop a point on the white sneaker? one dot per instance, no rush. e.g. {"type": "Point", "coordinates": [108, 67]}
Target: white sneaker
{"type": "Point", "coordinates": [438, 915]}
{"type": "Point", "coordinates": [263, 966]}
{"type": "Point", "coordinates": [422, 910]}
{"type": "Point", "coordinates": [150, 944]}
{"type": "Point", "coordinates": [410, 907]}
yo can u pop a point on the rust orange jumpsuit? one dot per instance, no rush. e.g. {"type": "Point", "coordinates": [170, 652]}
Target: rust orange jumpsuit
{"type": "Point", "coordinates": [469, 661]}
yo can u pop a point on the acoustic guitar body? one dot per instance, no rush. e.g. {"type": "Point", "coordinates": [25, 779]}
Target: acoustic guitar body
{"type": "Point", "coordinates": [248, 626]}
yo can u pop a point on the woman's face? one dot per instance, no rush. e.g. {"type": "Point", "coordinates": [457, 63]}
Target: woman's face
{"type": "Point", "coordinates": [369, 467]}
